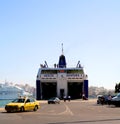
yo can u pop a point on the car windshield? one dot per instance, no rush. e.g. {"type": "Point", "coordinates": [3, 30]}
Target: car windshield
{"type": "Point", "coordinates": [118, 95]}
{"type": "Point", "coordinates": [18, 100]}
{"type": "Point", "coordinates": [53, 98]}
{"type": "Point", "coordinates": [99, 96]}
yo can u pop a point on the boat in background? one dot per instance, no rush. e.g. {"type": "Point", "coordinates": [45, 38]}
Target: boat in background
{"type": "Point", "coordinates": [9, 91]}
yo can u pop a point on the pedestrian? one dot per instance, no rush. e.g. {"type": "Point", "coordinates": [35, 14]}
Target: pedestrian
{"type": "Point", "coordinates": [64, 98]}
{"type": "Point", "coordinates": [109, 99]}
{"type": "Point", "coordinates": [69, 98]}
{"type": "Point", "coordinates": [83, 96]}
{"type": "Point", "coordinates": [102, 100]}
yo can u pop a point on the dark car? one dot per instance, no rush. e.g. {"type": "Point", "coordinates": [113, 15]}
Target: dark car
{"type": "Point", "coordinates": [54, 100]}
{"type": "Point", "coordinates": [102, 99]}
{"type": "Point", "coordinates": [116, 100]}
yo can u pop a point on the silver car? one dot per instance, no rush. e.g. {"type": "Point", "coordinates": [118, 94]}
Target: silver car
{"type": "Point", "coordinates": [54, 100]}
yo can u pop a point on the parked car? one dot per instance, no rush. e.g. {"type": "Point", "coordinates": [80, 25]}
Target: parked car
{"type": "Point", "coordinates": [102, 99]}
{"type": "Point", "coordinates": [54, 100]}
{"type": "Point", "coordinates": [22, 104]}
{"type": "Point", "coordinates": [116, 100]}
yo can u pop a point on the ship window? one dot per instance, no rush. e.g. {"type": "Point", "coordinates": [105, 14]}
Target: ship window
{"type": "Point", "coordinates": [75, 71]}
{"type": "Point", "coordinates": [49, 72]}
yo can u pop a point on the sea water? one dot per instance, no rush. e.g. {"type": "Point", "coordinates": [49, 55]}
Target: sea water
{"type": "Point", "coordinates": [4, 102]}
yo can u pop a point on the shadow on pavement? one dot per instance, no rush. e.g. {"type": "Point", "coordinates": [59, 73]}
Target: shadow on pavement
{"type": "Point", "coordinates": [88, 121]}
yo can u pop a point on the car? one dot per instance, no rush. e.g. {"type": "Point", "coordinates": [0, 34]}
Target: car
{"type": "Point", "coordinates": [115, 100]}
{"type": "Point", "coordinates": [22, 104]}
{"type": "Point", "coordinates": [54, 100]}
{"type": "Point", "coordinates": [102, 99]}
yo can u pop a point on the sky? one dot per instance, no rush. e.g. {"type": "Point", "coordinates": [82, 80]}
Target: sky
{"type": "Point", "coordinates": [32, 31]}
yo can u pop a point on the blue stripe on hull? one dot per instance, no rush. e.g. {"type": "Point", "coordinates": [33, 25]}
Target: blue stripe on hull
{"type": "Point", "coordinates": [38, 90]}
{"type": "Point", "coordinates": [86, 88]}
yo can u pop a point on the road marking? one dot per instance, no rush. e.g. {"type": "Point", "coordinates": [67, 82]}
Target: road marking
{"type": "Point", "coordinates": [67, 110]}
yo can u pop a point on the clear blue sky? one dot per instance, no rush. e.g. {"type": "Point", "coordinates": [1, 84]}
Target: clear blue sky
{"type": "Point", "coordinates": [31, 31]}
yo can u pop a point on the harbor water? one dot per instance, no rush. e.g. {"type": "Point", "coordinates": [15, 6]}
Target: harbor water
{"type": "Point", "coordinates": [4, 102]}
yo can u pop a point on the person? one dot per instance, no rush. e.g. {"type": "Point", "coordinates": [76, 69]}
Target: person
{"type": "Point", "coordinates": [109, 99]}
{"type": "Point", "coordinates": [69, 98]}
{"type": "Point", "coordinates": [83, 96]}
{"type": "Point", "coordinates": [102, 100]}
{"type": "Point", "coordinates": [64, 98]}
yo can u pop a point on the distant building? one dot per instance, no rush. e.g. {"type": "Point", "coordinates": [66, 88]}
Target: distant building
{"type": "Point", "coordinates": [61, 81]}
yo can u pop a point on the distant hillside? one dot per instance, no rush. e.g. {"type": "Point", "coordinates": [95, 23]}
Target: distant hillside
{"type": "Point", "coordinates": [28, 88]}
{"type": "Point", "coordinates": [94, 91]}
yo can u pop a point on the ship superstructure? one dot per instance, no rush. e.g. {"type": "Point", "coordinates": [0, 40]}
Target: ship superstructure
{"type": "Point", "coordinates": [61, 81]}
{"type": "Point", "coordinates": [9, 91]}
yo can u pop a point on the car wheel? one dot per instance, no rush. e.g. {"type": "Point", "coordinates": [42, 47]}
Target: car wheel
{"type": "Point", "coordinates": [8, 111]}
{"type": "Point", "coordinates": [35, 108]}
{"type": "Point", "coordinates": [22, 109]}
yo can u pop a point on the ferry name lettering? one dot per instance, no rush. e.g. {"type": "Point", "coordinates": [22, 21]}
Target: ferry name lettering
{"type": "Point", "coordinates": [48, 75]}
{"type": "Point", "coordinates": [75, 75]}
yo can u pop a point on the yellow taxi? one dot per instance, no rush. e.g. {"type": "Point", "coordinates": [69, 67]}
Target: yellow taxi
{"type": "Point", "coordinates": [22, 104]}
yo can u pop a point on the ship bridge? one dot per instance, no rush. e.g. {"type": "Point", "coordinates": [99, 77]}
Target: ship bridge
{"type": "Point", "coordinates": [61, 81]}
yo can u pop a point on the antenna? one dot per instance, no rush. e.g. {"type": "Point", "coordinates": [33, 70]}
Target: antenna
{"type": "Point", "coordinates": [62, 48]}
{"type": "Point", "coordinates": [46, 64]}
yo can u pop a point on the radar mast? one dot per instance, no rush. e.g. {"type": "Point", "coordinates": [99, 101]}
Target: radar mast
{"type": "Point", "coordinates": [62, 49]}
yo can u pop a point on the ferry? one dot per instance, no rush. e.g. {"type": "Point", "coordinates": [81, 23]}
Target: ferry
{"type": "Point", "coordinates": [60, 80]}
{"type": "Point", "coordinates": [9, 91]}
